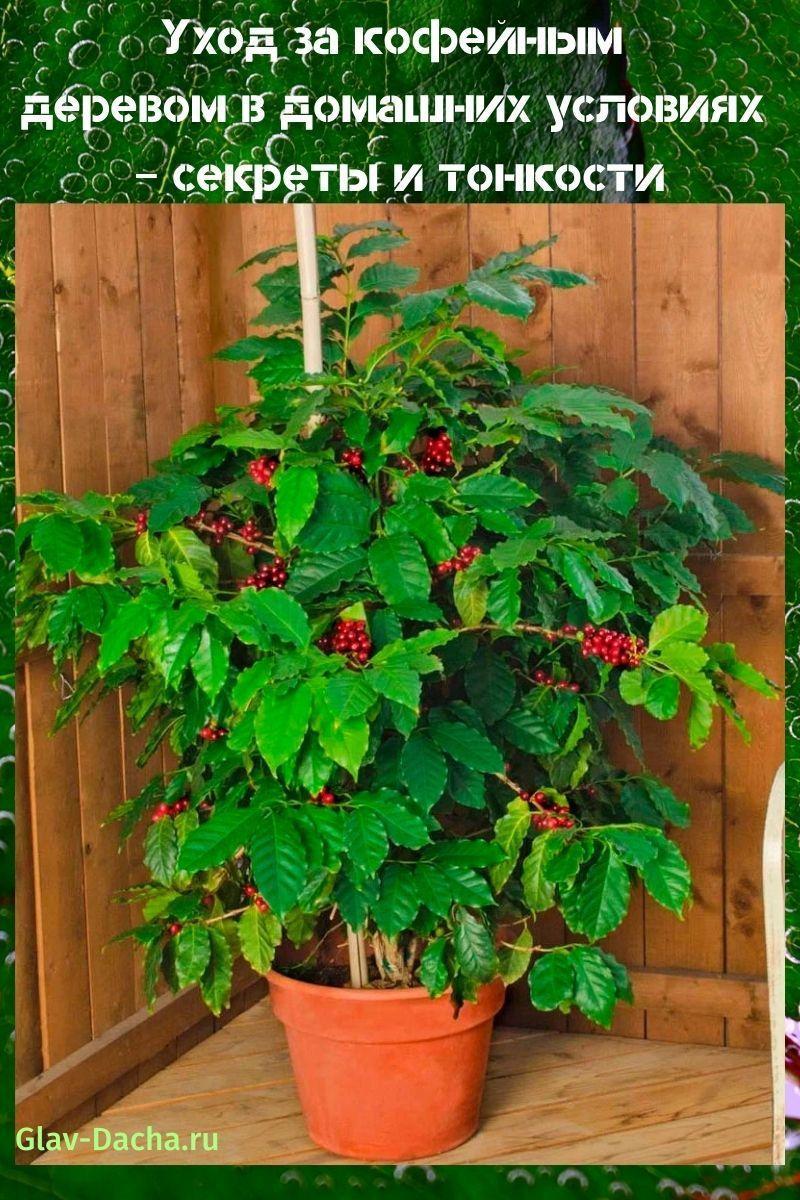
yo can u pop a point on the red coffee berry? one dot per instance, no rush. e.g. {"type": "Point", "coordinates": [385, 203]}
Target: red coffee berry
{"type": "Point", "coordinates": [437, 453]}
{"type": "Point", "coordinates": [350, 638]}
{"type": "Point", "coordinates": [207, 901]}
{"type": "Point", "coordinates": [249, 890]}
{"type": "Point", "coordinates": [252, 535]}
{"type": "Point", "coordinates": [325, 796]}
{"type": "Point", "coordinates": [261, 904]}
{"type": "Point", "coordinates": [141, 520]}
{"type": "Point", "coordinates": [174, 928]}
{"type": "Point", "coordinates": [271, 574]}
{"type": "Point", "coordinates": [353, 459]}
{"type": "Point", "coordinates": [212, 732]}
{"type": "Point", "coordinates": [612, 647]}
{"type": "Point", "coordinates": [262, 469]}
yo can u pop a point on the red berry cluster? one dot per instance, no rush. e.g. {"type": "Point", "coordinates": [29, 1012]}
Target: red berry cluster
{"type": "Point", "coordinates": [220, 528]}
{"type": "Point", "coordinates": [547, 680]}
{"type": "Point", "coordinates": [617, 649]}
{"type": "Point", "coordinates": [548, 815]}
{"type": "Point", "coordinates": [262, 469]}
{"type": "Point", "coordinates": [325, 796]}
{"type": "Point", "coordinates": [170, 810]}
{"type": "Point", "coordinates": [141, 520]}
{"type": "Point", "coordinates": [437, 453]}
{"type": "Point", "coordinates": [212, 732]}
{"type": "Point", "coordinates": [199, 519]}
{"type": "Point", "coordinates": [252, 894]}
{"type": "Point", "coordinates": [174, 929]}
{"type": "Point", "coordinates": [407, 465]}
{"type": "Point", "coordinates": [349, 638]}
{"type": "Point", "coordinates": [353, 459]}
{"type": "Point", "coordinates": [465, 556]}
{"type": "Point", "coordinates": [271, 574]}
{"type": "Point", "coordinates": [252, 535]}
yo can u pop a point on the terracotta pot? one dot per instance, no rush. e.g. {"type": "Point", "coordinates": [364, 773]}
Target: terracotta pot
{"type": "Point", "coordinates": [386, 1075]}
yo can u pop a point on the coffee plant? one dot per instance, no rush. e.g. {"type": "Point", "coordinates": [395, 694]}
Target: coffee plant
{"type": "Point", "coordinates": [382, 619]}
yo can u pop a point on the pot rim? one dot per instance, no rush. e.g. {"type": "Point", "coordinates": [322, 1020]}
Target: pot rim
{"type": "Point", "coordinates": [362, 995]}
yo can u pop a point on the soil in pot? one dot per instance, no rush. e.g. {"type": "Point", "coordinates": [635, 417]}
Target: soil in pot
{"type": "Point", "coordinates": [386, 1075]}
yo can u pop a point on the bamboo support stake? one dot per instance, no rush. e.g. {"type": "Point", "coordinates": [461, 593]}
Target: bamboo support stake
{"type": "Point", "coordinates": [306, 237]}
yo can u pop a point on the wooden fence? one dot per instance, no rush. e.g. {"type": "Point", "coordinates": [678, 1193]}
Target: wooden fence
{"type": "Point", "coordinates": [119, 311]}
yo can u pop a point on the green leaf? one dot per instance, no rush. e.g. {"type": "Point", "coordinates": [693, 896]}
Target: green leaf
{"type": "Point", "coordinates": [537, 889]}
{"type": "Point", "coordinates": [349, 693]}
{"type": "Point", "coordinates": [59, 542]}
{"type": "Point", "coordinates": [387, 277]}
{"type": "Point", "coordinates": [434, 972]}
{"type": "Point", "coordinates": [723, 654]}
{"type": "Point", "coordinates": [510, 832]}
{"type": "Point", "coordinates": [365, 840]}
{"type": "Point", "coordinates": [345, 742]}
{"type": "Point", "coordinates": [596, 902]}
{"type": "Point", "coordinates": [662, 697]}
{"type": "Point", "coordinates": [341, 516]}
{"type": "Point", "coordinates": [621, 496]}
{"type": "Point", "coordinates": [400, 571]}
{"type": "Point", "coordinates": [281, 615]}
{"type": "Point", "coordinates": [318, 575]}
{"type": "Point", "coordinates": [528, 732]}
{"type": "Point", "coordinates": [647, 800]}
{"type": "Point", "coordinates": [514, 960]}
{"type": "Point", "coordinates": [215, 984]}
{"type": "Point", "coordinates": [171, 496]}
{"type": "Point", "coordinates": [217, 838]}
{"type": "Point", "coordinates": [192, 562]}
{"type": "Point", "coordinates": [423, 770]}
{"type": "Point", "coordinates": [97, 556]}
{"type": "Point", "coordinates": [492, 491]}
{"type": "Point", "coordinates": [580, 580]}
{"type": "Point", "coordinates": [637, 847]}
{"type": "Point", "coordinates": [419, 307]}
{"type": "Point", "coordinates": [470, 593]}
{"type": "Point", "coordinates": [681, 623]}
{"type": "Point", "coordinates": [500, 294]}
{"type": "Point", "coordinates": [687, 661]}
{"type": "Point", "coordinates": [259, 936]}
{"type": "Point", "coordinates": [404, 826]}
{"type": "Point", "coordinates": [592, 406]}
{"type": "Point", "coordinates": [377, 242]}
{"type": "Point", "coordinates": [490, 685]}
{"type": "Point", "coordinates": [397, 903]}
{"type": "Point", "coordinates": [250, 682]}
{"type": "Point", "coordinates": [278, 860]}
{"type": "Point", "coordinates": [552, 981]}
{"type": "Point", "coordinates": [467, 746]}
{"type": "Point", "coordinates": [474, 948]}
{"type": "Point", "coordinates": [281, 724]}
{"type": "Point", "coordinates": [397, 682]}
{"type": "Point", "coordinates": [192, 954]}
{"type": "Point", "coordinates": [210, 664]}
{"type": "Point", "coordinates": [595, 986]}
{"type": "Point", "coordinates": [668, 878]}
{"type": "Point", "coordinates": [504, 603]}
{"type": "Point", "coordinates": [747, 468]}
{"type": "Point", "coordinates": [129, 622]}
{"type": "Point", "coordinates": [674, 478]}
{"type": "Point", "coordinates": [161, 850]}
{"type": "Point", "coordinates": [296, 492]}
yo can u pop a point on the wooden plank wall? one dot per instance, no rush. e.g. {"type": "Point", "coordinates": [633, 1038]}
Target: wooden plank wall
{"type": "Point", "coordinates": [119, 311]}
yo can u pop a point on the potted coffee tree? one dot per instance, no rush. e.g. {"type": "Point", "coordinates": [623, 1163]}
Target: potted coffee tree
{"type": "Point", "coordinates": [382, 619]}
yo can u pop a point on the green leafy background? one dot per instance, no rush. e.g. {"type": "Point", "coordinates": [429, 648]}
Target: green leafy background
{"type": "Point", "coordinates": [674, 46]}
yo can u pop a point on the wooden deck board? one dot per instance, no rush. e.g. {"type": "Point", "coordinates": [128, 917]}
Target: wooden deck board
{"type": "Point", "coordinates": [550, 1098]}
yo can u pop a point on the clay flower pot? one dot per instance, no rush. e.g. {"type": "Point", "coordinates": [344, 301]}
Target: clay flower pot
{"type": "Point", "coordinates": [386, 1075]}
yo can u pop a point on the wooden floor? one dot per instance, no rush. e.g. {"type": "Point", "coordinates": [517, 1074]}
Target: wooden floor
{"type": "Point", "coordinates": [550, 1098]}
